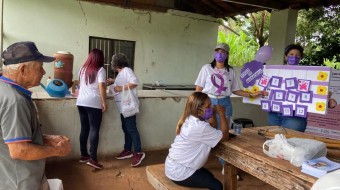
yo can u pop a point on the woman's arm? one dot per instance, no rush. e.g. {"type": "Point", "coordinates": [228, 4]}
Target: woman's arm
{"type": "Point", "coordinates": [223, 122]}
{"type": "Point", "coordinates": [248, 94]}
{"type": "Point", "coordinates": [126, 87]}
{"type": "Point", "coordinates": [199, 89]}
{"type": "Point", "coordinates": [102, 91]}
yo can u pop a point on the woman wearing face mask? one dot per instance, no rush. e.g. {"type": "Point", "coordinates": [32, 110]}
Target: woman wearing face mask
{"type": "Point", "coordinates": [196, 134]}
{"type": "Point", "coordinates": [293, 54]}
{"type": "Point", "coordinates": [218, 80]}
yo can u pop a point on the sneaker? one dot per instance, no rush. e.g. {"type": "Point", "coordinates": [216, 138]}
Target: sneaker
{"type": "Point", "coordinates": [137, 158]}
{"type": "Point", "coordinates": [84, 159]}
{"type": "Point", "coordinates": [124, 154]}
{"type": "Point", "coordinates": [94, 164]}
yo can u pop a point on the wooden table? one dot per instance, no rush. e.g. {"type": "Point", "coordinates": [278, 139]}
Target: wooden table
{"type": "Point", "coordinates": [245, 152]}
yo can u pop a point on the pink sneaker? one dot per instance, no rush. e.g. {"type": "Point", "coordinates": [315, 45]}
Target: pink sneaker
{"type": "Point", "coordinates": [137, 158]}
{"type": "Point", "coordinates": [124, 154]}
{"type": "Point", "coordinates": [94, 164]}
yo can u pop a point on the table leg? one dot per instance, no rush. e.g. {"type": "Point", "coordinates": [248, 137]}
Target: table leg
{"type": "Point", "coordinates": [230, 177]}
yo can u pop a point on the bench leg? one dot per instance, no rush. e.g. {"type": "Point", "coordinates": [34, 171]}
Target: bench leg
{"type": "Point", "coordinates": [230, 177]}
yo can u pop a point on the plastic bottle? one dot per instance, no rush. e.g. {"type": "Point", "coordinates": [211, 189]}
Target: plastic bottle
{"type": "Point", "coordinates": [48, 80]}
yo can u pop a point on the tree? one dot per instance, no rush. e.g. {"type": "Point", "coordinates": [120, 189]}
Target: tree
{"type": "Point", "coordinates": [244, 34]}
{"type": "Point", "coordinates": [255, 25]}
{"type": "Point", "coordinates": [318, 32]}
{"type": "Point", "coordinates": [242, 49]}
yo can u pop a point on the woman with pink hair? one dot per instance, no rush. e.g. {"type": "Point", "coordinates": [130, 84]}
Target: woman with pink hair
{"type": "Point", "coordinates": [91, 103]}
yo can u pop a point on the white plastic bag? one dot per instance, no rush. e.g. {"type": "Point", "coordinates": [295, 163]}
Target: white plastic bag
{"type": "Point", "coordinates": [130, 103]}
{"type": "Point", "coordinates": [296, 150]}
{"type": "Point", "coordinates": [55, 184]}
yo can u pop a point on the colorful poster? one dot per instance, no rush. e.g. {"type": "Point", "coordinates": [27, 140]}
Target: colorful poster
{"type": "Point", "coordinates": [305, 88]}
{"type": "Point", "coordinates": [328, 125]}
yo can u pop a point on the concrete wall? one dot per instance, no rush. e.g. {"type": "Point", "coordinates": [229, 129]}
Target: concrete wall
{"type": "Point", "coordinates": [159, 114]}
{"type": "Point", "coordinates": [170, 46]}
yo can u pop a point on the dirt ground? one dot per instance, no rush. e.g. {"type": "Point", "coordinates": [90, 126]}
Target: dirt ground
{"type": "Point", "coordinates": [119, 175]}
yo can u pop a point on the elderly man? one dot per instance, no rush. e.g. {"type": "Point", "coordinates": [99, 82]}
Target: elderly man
{"type": "Point", "coordinates": [23, 147]}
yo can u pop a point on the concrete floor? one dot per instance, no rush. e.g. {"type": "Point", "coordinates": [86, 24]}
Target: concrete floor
{"type": "Point", "coordinates": [119, 175]}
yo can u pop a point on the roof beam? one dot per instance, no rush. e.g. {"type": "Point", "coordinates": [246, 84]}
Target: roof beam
{"type": "Point", "coordinates": [133, 4]}
{"type": "Point", "coordinates": [259, 4]}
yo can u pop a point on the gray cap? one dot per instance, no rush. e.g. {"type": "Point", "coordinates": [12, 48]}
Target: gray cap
{"type": "Point", "coordinates": [23, 52]}
{"type": "Point", "coordinates": [223, 46]}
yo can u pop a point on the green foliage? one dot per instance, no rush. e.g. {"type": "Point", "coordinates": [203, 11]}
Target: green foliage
{"type": "Point", "coordinates": [242, 49]}
{"type": "Point", "coordinates": [332, 63]}
{"type": "Point", "coordinates": [319, 33]}
{"type": "Point", "coordinates": [244, 35]}
{"type": "Point", "coordinates": [255, 25]}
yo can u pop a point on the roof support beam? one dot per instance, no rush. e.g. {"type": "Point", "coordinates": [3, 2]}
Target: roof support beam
{"type": "Point", "coordinates": [255, 3]}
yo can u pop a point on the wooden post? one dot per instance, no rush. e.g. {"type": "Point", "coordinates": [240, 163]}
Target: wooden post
{"type": "Point", "coordinates": [230, 177]}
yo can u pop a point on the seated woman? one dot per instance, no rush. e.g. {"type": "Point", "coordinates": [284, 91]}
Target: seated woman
{"type": "Point", "coordinates": [196, 135]}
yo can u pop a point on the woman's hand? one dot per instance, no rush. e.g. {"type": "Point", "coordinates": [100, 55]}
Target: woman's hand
{"type": "Point", "coordinates": [110, 81]}
{"type": "Point", "coordinates": [118, 88]}
{"type": "Point", "coordinates": [220, 110]}
{"type": "Point", "coordinates": [257, 94]}
{"type": "Point", "coordinates": [104, 106]}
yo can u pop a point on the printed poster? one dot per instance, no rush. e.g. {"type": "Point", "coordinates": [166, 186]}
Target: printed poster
{"type": "Point", "coordinates": [328, 125]}
{"type": "Point", "coordinates": [292, 90]}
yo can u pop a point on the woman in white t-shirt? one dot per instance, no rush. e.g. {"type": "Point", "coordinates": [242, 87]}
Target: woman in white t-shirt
{"type": "Point", "coordinates": [126, 79]}
{"type": "Point", "coordinates": [219, 81]}
{"type": "Point", "coordinates": [196, 135]}
{"type": "Point", "coordinates": [91, 103]}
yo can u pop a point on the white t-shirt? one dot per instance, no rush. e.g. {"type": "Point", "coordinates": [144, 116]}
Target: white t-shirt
{"type": "Point", "coordinates": [191, 148]}
{"type": "Point", "coordinates": [204, 80]}
{"type": "Point", "coordinates": [124, 77]}
{"type": "Point", "coordinates": [89, 94]}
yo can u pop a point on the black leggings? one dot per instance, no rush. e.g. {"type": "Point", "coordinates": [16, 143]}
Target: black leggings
{"type": "Point", "coordinates": [90, 120]}
{"type": "Point", "coordinates": [202, 178]}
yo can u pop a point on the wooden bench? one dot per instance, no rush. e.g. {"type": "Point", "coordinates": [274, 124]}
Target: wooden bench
{"type": "Point", "coordinates": [156, 177]}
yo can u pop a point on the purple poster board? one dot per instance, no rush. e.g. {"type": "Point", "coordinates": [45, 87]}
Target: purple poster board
{"type": "Point", "coordinates": [264, 81]}
{"type": "Point", "coordinates": [276, 81]}
{"type": "Point", "coordinates": [300, 111]}
{"type": "Point", "coordinates": [306, 97]}
{"type": "Point", "coordinates": [279, 95]}
{"type": "Point", "coordinates": [251, 72]}
{"type": "Point", "coordinates": [265, 105]}
{"type": "Point", "coordinates": [276, 107]}
{"type": "Point", "coordinates": [291, 83]}
{"type": "Point", "coordinates": [303, 85]}
{"type": "Point", "coordinates": [287, 110]}
{"type": "Point", "coordinates": [292, 96]}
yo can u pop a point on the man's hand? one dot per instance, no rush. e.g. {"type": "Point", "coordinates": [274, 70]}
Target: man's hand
{"type": "Point", "coordinates": [64, 148]}
{"type": "Point", "coordinates": [53, 140]}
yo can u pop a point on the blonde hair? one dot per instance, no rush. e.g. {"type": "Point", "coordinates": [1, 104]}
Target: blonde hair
{"type": "Point", "coordinates": [194, 102]}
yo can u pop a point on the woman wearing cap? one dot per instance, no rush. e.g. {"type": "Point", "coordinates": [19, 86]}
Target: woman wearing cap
{"type": "Point", "coordinates": [218, 80]}
{"type": "Point", "coordinates": [292, 56]}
